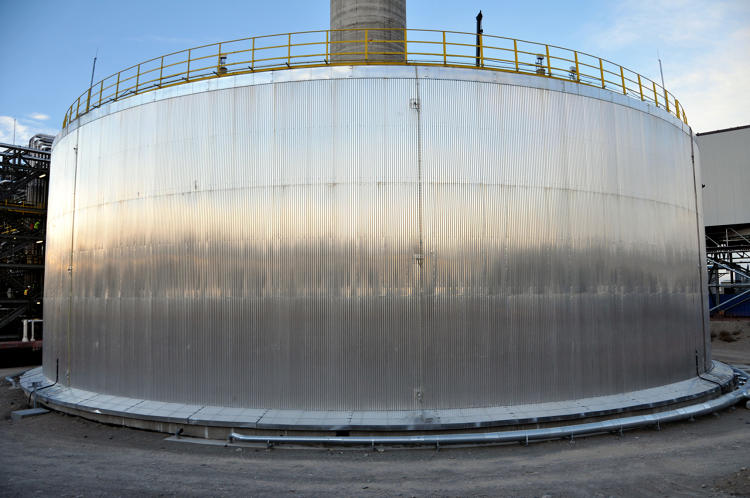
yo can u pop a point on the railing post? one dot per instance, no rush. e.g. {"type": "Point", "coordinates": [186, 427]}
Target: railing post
{"type": "Point", "coordinates": [326, 58]}
{"type": "Point", "coordinates": [137, 78]}
{"type": "Point", "coordinates": [88, 100]}
{"type": "Point", "coordinates": [161, 70]}
{"type": "Point", "coordinates": [656, 95]}
{"type": "Point", "coordinates": [677, 108]}
{"type": "Point", "coordinates": [666, 99]}
{"type": "Point", "coordinates": [406, 49]}
{"type": "Point", "coordinates": [445, 52]}
{"type": "Point", "coordinates": [78, 107]}
{"type": "Point", "coordinates": [117, 87]}
{"type": "Point", "coordinates": [640, 87]}
{"type": "Point", "coordinates": [601, 72]}
{"type": "Point", "coordinates": [549, 64]}
{"type": "Point", "coordinates": [187, 73]}
{"type": "Point", "coordinates": [289, 51]}
{"type": "Point", "coordinates": [218, 61]}
{"type": "Point", "coordinates": [578, 71]}
{"type": "Point", "coordinates": [367, 39]}
{"type": "Point", "coordinates": [481, 49]}
{"type": "Point", "coordinates": [101, 89]}
{"type": "Point", "coordinates": [624, 87]}
{"type": "Point", "coordinates": [515, 52]}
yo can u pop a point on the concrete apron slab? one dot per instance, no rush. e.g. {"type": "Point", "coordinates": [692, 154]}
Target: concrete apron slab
{"type": "Point", "coordinates": [217, 422]}
{"type": "Point", "coordinates": [30, 412]}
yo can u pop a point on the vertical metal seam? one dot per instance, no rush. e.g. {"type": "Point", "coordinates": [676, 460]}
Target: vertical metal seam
{"type": "Point", "coordinates": [420, 260]}
{"type": "Point", "coordinates": [419, 166]}
{"type": "Point", "coordinates": [70, 260]}
{"type": "Point", "coordinates": [701, 263]}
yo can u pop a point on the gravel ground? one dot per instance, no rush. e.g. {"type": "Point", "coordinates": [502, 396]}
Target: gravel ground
{"type": "Point", "coordinates": [730, 341]}
{"type": "Point", "coordinates": [59, 455]}
{"type": "Point", "coordinates": [55, 454]}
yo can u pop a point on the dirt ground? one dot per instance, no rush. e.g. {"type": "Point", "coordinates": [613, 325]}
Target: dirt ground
{"type": "Point", "coordinates": [730, 341]}
{"type": "Point", "coordinates": [59, 455]}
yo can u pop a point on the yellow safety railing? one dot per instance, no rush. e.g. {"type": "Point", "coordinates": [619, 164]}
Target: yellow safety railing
{"type": "Point", "coordinates": [22, 206]}
{"type": "Point", "coordinates": [367, 47]}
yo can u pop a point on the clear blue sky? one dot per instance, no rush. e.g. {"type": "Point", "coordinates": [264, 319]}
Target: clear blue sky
{"type": "Point", "coordinates": [47, 46]}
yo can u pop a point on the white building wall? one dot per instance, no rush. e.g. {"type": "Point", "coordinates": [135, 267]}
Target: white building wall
{"type": "Point", "coordinates": [725, 166]}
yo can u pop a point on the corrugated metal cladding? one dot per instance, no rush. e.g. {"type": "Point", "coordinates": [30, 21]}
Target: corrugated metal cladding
{"type": "Point", "coordinates": [334, 244]}
{"type": "Point", "coordinates": [726, 173]}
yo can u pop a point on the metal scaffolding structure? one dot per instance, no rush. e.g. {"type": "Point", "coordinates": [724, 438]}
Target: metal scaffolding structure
{"type": "Point", "coordinates": [726, 213]}
{"type": "Point", "coordinates": [728, 261]}
{"type": "Point", "coordinates": [24, 176]}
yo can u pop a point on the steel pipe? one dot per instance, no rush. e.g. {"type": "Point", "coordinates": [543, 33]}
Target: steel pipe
{"type": "Point", "coordinates": [525, 435]}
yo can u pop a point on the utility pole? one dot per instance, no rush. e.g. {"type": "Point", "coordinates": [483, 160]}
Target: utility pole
{"type": "Point", "coordinates": [479, 37]}
{"type": "Point", "coordinates": [660, 69]}
{"type": "Point", "coordinates": [93, 68]}
{"type": "Point", "coordinates": [91, 84]}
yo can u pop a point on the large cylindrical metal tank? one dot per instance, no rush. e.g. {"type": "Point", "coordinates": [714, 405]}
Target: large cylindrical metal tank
{"type": "Point", "coordinates": [371, 30]}
{"type": "Point", "coordinates": [374, 238]}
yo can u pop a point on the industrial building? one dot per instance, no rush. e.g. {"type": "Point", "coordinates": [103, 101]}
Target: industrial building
{"type": "Point", "coordinates": [374, 228]}
{"type": "Point", "coordinates": [23, 208]}
{"type": "Point", "coordinates": [725, 155]}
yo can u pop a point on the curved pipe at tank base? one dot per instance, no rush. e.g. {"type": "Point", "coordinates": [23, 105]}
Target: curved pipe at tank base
{"type": "Point", "coordinates": [522, 436]}
{"type": "Point", "coordinates": [36, 391]}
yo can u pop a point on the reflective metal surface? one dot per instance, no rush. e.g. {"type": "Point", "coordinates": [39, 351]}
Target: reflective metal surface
{"type": "Point", "coordinates": [373, 238]}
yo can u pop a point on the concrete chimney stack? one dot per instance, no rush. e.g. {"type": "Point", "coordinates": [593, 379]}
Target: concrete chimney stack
{"type": "Point", "coordinates": [380, 22]}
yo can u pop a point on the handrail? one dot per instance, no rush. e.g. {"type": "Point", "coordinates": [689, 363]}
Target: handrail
{"type": "Point", "coordinates": [304, 49]}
